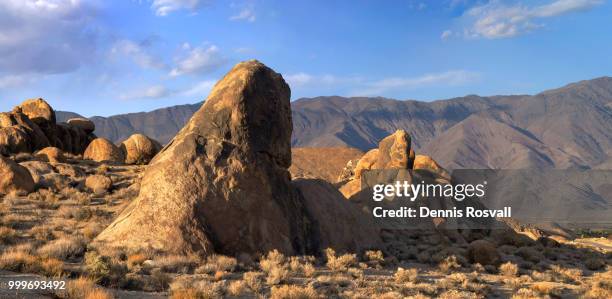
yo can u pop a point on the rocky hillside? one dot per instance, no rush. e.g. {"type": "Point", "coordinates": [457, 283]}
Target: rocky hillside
{"type": "Point", "coordinates": [569, 127]}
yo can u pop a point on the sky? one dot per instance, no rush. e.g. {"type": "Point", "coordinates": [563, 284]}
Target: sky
{"type": "Point", "coordinates": [108, 57]}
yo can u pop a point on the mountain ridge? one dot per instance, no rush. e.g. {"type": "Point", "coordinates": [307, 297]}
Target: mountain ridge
{"type": "Point", "coordinates": [565, 127]}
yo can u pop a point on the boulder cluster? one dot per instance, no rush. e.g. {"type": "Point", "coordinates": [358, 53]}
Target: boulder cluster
{"type": "Point", "coordinates": [31, 126]}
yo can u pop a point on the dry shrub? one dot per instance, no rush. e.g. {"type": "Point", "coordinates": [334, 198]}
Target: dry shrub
{"type": "Point", "coordinates": [594, 263]}
{"type": "Point", "coordinates": [177, 263]}
{"type": "Point", "coordinates": [194, 289]}
{"type": "Point", "coordinates": [529, 254]}
{"type": "Point", "coordinates": [158, 280]}
{"type": "Point", "coordinates": [448, 264]}
{"type": "Point", "coordinates": [406, 275]}
{"type": "Point", "coordinates": [254, 280]}
{"type": "Point", "coordinates": [19, 261]}
{"type": "Point", "coordinates": [63, 248]}
{"type": "Point", "coordinates": [563, 274]}
{"type": "Point", "coordinates": [92, 230]}
{"type": "Point", "coordinates": [302, 265]}
{"type": "Point", "coordinates": [42, 233]}
{"type": "Point", "coordinates": [52, 267]}
{"type": "Point", "coordinates": [374, 256]}
{"type": "Point", "coordinates": [458, 294]}
{"type": "Point", "coordinates": [237, 288]}
{"type": "Point", "coordinates": [7, 235]}
{"type": "Point", "coordinates": [273, 259]}
{"type": "Point", "coordinates": [339, 263]}
{"type": "Point", "coordinates": [136, 260]}
{"type": "Point", "coordinates": [526, 294]}
{"type": "Point", "coordinates": [217, 263]}
{"type": "Point", "coordinates": [293, 292]}
{"type": "Point", "coordinates": [546, 288]}
{"type": "Point", "coordinates": [277, 275]}
{"type": "Point", "coordinates": [99, 294]}
{"type": "Point", "coordinates": [508, 269]}
{"type": "Point", "coordinates": [600, 286]}
{"type": "Point", "coordinates": [308, 269]}
{"type": "Point", "coordinates": [103, 269]}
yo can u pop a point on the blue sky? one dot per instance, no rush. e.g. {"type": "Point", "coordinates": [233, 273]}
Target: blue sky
{"type": "Point", "coordinates": [108, 57]}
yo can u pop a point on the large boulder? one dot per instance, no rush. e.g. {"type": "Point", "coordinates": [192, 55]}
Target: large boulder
{"type": "Point", "coordinates": [38, 139]}
{"type": "Point", "coordinates": [39, 111]}
{"type": "Point", "coordinates": [222, 184]}
{"type": "Point", "coordinates": [83, 123]}
{"type": "Point", "coordinates": [38, 170]}
{"type": "Point", "coordinates": [14, 139]}
{"type": "Point", "coordinates": [98, 184]}
{"type": "Point", "coordinates": [102, 150]}
{"type": "Point", "coordinates": [139, 149]}
{"type": "Point", "coordinates": [14, 178]}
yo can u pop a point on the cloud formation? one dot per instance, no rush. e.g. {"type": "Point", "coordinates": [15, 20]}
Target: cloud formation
{"type": "Point", "coordinates": [151, 92]}
{"type": "Point", "coordinates": [165, 7]}
{"type": "Point", "coordinates": [198, 60]}
{"type": "Point", "coordinates": [444, 79]}
{"type": "Point", "coordinates": [497, 20]}
{"type": "Point", "coordinates": [46, 36]}
{"type": "Point", "coordinates": [138, 53]}
{"type": "Point", "coordinates": [245, 14]}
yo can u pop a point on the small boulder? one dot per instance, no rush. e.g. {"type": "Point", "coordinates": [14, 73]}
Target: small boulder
{"type": "Point", "coordinates": [425, 162]}
{"type": "Point", "coordinates": [98, 184]}
{"type": "Point", "coordinates": [139, 149]}
{"type": "Point", "coordinates": [14, 178]}
{"type": "Point", "coordinates": [83, 123]}
{"type": "Point", "coordinates": [51, 154]}
{"type": "Point", "coordinates": [71, 171]}
{"type": "Point", "coordinates": [14, 140]}
{"type": "Point", "coordinates": [483, 252]}
{"type": "Point", "coordinates": [38, 170]}
{"type": "Point", "coordinates": [102, 150]}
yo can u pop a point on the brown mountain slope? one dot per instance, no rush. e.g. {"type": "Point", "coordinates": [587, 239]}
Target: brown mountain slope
{"type": "Point", "coordinates": [571, 123]}
{"type": "Point", "coordinates": [324, 163]}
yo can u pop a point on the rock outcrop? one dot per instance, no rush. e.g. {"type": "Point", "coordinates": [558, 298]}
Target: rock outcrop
{"type": "Point", "coordinates": [14, 178]}
{"type": "Point", "coordinates": [36, 118]}
{"type": "Point", "coordinates": [102, 150]}
{"type": "Point", "coordinates": [83, 123]}
{"type": "Point", "coordinates": [222, 184]}
{"type": "Point", "coordinates": [139, 149]}
{"type": "Point", "coordinates": [393, 152]}
{"type": "Point", "coordinates": [424, 162]}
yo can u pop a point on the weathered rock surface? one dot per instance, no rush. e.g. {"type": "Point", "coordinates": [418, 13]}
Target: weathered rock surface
{"type": "Point", "coordinates": [98, 184]}
{"type": "Point", "coordinates": [425, 162]}
{"type": "Point", "coordinates": [13, 140]}
{"type": "Point", "coordinates": [83, 123]}
{"type": "Point", "coordinates": [139, 149]}
{"type": "Point", "coordinates": [102, 150]}
{"type": "Point", "coordinates": [14, 178]}
{"type": "Point", "coordinates": [51, 154]}
{"type": "Point", "coordinates": [38, 170]}
{"type": "Point", "coordinates": [222, 184]}
{"type": "Point", "coordinates": [39, 111]}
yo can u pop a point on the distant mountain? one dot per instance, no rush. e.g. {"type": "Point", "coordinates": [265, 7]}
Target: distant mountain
{"type": "Point", "coordinates": [568, 127]}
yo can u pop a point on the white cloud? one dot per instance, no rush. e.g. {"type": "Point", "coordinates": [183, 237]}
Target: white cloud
{"type": "Point", "coordinates": [303, 79]}
{"type": "Point", "coordinates": [198, 60]}
{"type": "Point", "coordinates": [245, 14]}
{"type": "Point", "coordinates": [138, 53]}
{"type": "Point", "coordinates": [46, 36]}
{"type": "Point", "coordinates": [496, 20]}
{"type": "Point", "coordinates": [448, 78]}
{"type": "Point", "coordinates": [151, 92]}
{"type": "Point", "coordinates": [446, 34]}
{"type": "Point", "coordinates": [200, 89]}
{"type": "Point", "coordinates": [165, 7]}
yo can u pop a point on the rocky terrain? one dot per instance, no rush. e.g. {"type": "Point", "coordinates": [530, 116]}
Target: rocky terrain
{"type": "Point", "coordinates": [221, 212]}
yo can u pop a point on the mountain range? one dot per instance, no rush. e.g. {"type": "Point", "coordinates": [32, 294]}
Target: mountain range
{"type": "Point", "coordinates": [568, 127]}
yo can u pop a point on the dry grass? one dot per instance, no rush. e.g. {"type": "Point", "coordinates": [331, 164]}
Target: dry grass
{"type": "Point", "coordinates": [448, 264]}
{"type": "Point", "coordinates": [84, 288]}
{"type": "Point", "coordinates": [254, 280]}
{"type": "Point", "coordinates": [7, 235]}
{"type": "Point", "coordinates": [293, 292]}
{"type": "Point", "coordinates": [339, 263]}
{"type": "Point", "coordinates": [508, 269]}
{"type": "Point", "coordinates": [406, 275]}
{"type": "Point", "coordinates": [19, 261]}
{"type": "Point", "coordinates": [63, 248]}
